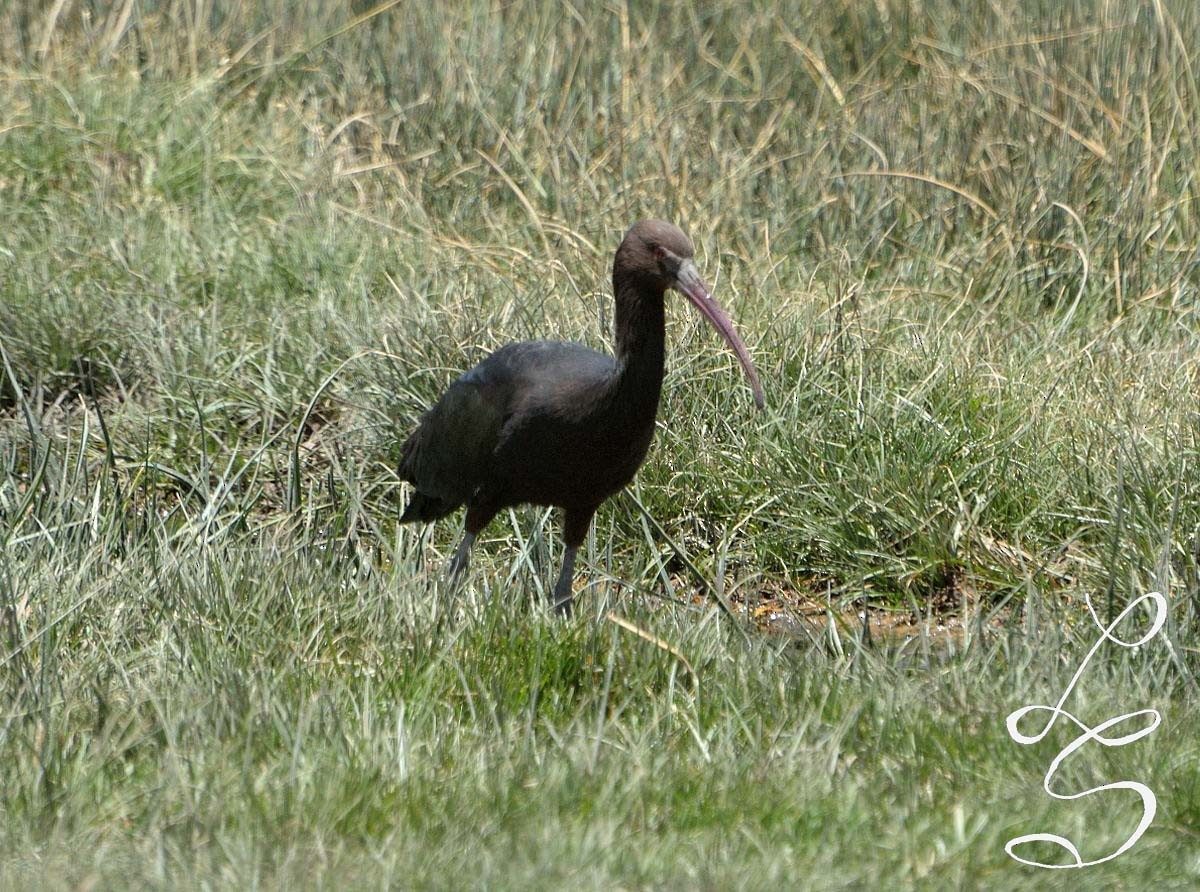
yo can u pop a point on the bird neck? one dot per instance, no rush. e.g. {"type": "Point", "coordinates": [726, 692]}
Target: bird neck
{"type": "Point", "coordinates": [639, 324]}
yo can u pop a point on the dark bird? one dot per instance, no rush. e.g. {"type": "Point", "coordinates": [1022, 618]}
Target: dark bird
{"type": "Point", "coordinates": [559, 424]}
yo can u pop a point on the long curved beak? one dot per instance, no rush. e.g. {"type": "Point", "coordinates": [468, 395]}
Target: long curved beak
{"type": "Point", "coordinates": [691, 286]}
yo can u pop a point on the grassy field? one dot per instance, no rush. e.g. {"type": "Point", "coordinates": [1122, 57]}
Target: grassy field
{"type": "Point", "coordinates": [244, 244]}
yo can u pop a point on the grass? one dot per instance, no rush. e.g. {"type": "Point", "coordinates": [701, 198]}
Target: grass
{"type": "Point", "coordinates": [246, 243]}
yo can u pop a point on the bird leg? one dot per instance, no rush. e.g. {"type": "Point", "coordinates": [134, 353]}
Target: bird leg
{"type": "Point", "coordinates": [479, 515]}
{"type": "Point", "coordinates": [462, 556]}
{"type": "Point", "coordinates": [575, 526]}
{"type": "Point", "coordinates": [563, 597]}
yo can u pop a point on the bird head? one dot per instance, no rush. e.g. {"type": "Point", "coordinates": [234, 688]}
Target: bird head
{"type": "Point", "coordinates": [659, 254]}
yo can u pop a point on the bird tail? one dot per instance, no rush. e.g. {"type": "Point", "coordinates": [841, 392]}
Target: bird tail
{"type": "Point", "coordinates": [424, 507]}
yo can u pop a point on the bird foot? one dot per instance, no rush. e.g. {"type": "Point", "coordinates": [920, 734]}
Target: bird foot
{"type": "Point", "coordinates": [564, 606]}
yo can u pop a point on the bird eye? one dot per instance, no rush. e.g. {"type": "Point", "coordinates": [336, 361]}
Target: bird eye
{"type": "Point", "coordinates": [659, 252]}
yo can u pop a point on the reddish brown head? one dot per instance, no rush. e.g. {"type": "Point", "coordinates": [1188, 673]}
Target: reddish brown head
{"type": "Point", "coordinates": [656, 255]}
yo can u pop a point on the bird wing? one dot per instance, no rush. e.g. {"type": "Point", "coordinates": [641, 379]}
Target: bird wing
{"type": "Point", "coordinates": [549, 378]}
{"type": "Point", "coordinates": [449, 456]}
{"type": "Point", "coordinates": [446, 456]}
